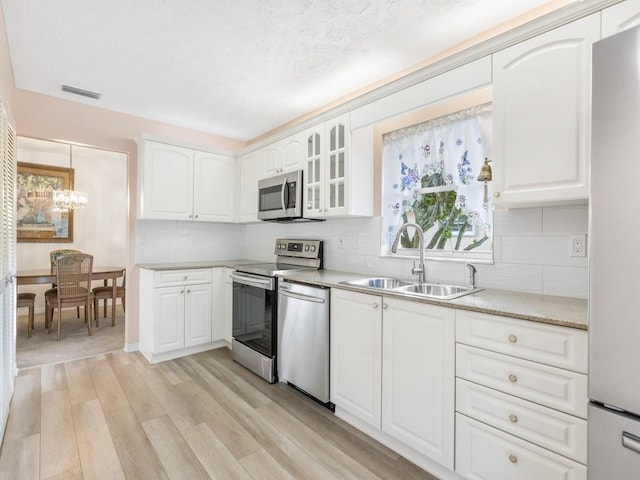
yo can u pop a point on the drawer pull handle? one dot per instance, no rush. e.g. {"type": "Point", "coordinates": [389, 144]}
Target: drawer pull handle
{"type": "Point", "coordinates": [513, 459]}
{"type": "Point", "coordinates": [513, 378]}
{"type": "Point", "coordinates": [513, 338]}
{"type": "Point", "coordinates": [513, 418]}
{"type": "Point", "coordinates": [630, 441]}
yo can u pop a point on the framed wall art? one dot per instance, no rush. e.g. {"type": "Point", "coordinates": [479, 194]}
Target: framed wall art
{"type": "Point", "coordinates": [37, 220]}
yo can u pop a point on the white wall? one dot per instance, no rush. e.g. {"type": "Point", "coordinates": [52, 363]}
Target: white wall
{"type": "Point", "coordinates": [531, 250]}
{"type": "Point", "coordinates": [99, 229]}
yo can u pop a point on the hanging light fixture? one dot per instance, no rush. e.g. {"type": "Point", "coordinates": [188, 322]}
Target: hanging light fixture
{"type": "Point", "coordinates": [486, 175]}
{"type": "Point", "coordinates": [65, 200]}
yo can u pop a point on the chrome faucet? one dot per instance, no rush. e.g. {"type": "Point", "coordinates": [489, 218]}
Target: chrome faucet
{"type": "Point", "coordinates": [472, 274]}
{"type": "Point", "coordinates": [420, 271]}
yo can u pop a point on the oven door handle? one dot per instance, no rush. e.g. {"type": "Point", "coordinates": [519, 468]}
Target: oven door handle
{"type": "Point", "coordinates": [300, 296]}
{"type": "Point", "coordinates": [258, 282]}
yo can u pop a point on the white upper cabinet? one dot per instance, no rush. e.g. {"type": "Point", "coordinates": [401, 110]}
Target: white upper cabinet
{"type": "Point", "coordinates": [178, 183]}
{"type": "Point", "coordinates": [622, 16]}
{"type": "Point", "coordinates": [541, 98]}
{"type": "Point", "coordinates": [250, 167]}
{"type": "Point", "coordinates": [282, 156]}
{"type": "Point", "coordinates": [337, 173]}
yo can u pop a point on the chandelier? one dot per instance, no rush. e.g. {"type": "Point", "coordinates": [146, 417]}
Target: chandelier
{"type": "Point", "coordinates": [65, 200]}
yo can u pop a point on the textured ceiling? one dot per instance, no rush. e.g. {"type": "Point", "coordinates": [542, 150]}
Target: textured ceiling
{"type": "Point", "coordinates": [236, 68]}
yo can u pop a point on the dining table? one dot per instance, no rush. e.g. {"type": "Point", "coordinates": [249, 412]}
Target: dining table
{"type": "Point", "coordinates": [40, 276]}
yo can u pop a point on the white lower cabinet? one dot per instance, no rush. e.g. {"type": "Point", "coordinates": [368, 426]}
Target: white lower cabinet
{"type": "Point", "coordinates": [392, 367]}
{"type": "Point", "coordinates": [176, 312]}
{"type": "Point", "coordinates": [521, 399]}
{"type": "Point", "coordinates": [486, 453]}
{"type": "Point", "coordinates": [228, 305]}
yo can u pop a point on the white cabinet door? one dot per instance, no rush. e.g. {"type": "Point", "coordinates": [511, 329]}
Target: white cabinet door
{"type": "Point", "coordinates": [168, 318]}
{"type": "Point", "coordinates": [418, 377]}
{"type": "Point", "coordinates": [336, 169]}
{"type": "Point", "coordinates": [197, 314]}
{"type": "Point", "coordinates": [270, 161]}
{"type": "Point", "coordinates": [541, 92]}
{"type": "Point", "coordinates": [622, 16]}
{"type": "Point", "coordinates": [250, 165]}
{"type": "Point", "coordinates": [213, 187]}
{"type": "Point", "coordinates": [356, 343]}
{"type": "Point", "coordinates": [282, 156]}
{"type": "Point", "coordinates": [313, 173]}
{"type": "Point", "coordinates": [167, 178]}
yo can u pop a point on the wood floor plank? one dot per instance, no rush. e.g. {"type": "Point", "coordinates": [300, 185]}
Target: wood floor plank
{"type": "Point", "coordinates": [174, 373]}
{"type": "Point", "coordinates": [231, 433]}
{"type": "Point", "coordinates": [98, 456]}
{"type": "Point", "coordinates": [334, 460]}
{"type": "Point", "coordinates": [80, 382]}
{"type": "Point", "coordinates": [20, 458]}
{"type": "Point", "coordinates": [180, 412]}
{"type": "Point", "coordinates": [107, 386]}
{"type": "Point", "coordinates": [119, 358]}
{"type": "Point", "coordinates": [58, 444]}
{"type": "Point", "coordinates": [216, 459]}
{"type": "Point", "coordinates": [262, 466]}
{"type": "Point", "coordinates": [140, 397]}
{"type": "Point", "coordinates": [175, 455]}
{"type": "Point", "coordinates": [137, 456]}
{"type": "Point", "coordinates": [24, 416]}
{"type": "Point", "coordinates": [294, 459]}
{"type": "Point", "coordinates": [53, 377]}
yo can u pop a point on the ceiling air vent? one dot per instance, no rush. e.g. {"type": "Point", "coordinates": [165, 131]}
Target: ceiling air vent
{"type": "Point", "coordinates": [80, 91]}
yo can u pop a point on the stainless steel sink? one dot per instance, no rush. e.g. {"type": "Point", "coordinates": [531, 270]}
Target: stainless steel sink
{"type": "Point", "coordinates": [381, 283]}
{"type": "Point", "coordinates": [436, 290]}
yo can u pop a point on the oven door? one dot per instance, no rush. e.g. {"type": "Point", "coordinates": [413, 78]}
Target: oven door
{"type": "Point", "coordinates": [255, 310]}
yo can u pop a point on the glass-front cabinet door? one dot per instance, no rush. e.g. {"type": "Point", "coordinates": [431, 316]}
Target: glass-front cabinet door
{"type": "Point", "coordinates": [313, 174]}
{"type": "Point", "coordinates": [327, 169]}
{"type": "Point", "coordinates": [336, 174]}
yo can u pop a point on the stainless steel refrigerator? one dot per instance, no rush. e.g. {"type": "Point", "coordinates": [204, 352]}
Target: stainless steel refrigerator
{"type": "Point", "coordinates": [614, 261]}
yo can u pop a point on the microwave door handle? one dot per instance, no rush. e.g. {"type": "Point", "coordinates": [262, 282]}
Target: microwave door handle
{"type": "Point", "coordinates": [284, 193]}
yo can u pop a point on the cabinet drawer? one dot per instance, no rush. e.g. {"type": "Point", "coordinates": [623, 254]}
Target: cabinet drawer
{"type": "Point", "coordinates": [557, 431]}
{"type": "Point", "coordinates": [169, 278]}
{"type": "Point", "coordinates": [482, 452]}
{"type": "Point", "coordinates": [556, 388]}
{"type": "Point", "coordinates": [562, 347]}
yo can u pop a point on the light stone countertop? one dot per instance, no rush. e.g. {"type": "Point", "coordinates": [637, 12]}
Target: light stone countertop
{"type": "Point", "coordinates": [564, 311]}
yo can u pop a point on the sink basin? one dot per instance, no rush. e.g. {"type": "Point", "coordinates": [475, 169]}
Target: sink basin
{"type": "Point", "coordinates": [436, 290]}
{"type": "Point", "coordinates": [382, 283]}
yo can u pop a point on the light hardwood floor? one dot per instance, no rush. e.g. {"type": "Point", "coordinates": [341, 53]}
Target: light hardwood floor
{"type": "Point", "coordinates": [115, 416]}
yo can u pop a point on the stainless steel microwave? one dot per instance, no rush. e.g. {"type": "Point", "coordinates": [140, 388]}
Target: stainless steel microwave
{"type": "Point", "coordinates": [280, 197]}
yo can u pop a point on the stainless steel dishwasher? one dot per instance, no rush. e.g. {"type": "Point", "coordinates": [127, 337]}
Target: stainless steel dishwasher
{"type": "Point", "coordinates": [303, 350]}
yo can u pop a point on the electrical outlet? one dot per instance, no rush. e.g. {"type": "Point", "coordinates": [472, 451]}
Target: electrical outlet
{"type": "Point", "coordinates": [340, 241]}
{"type": "Point", "coordinates": [577, 245]}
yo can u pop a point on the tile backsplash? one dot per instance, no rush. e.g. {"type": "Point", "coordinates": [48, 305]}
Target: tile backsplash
{"type": "Point", "coordinates": [531, 248]}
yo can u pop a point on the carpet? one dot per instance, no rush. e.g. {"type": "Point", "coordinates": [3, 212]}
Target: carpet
{"type": "Point", "coordinates": [75, 343]}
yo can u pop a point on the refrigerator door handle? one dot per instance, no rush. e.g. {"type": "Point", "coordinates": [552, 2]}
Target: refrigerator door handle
{"type": "Point", "coordinates": [631, 442]}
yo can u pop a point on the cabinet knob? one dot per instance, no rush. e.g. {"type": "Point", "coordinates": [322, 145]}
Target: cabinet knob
{"type": "Point", "coordinates": [185, 277]}
{"type": "Point", "coordinates": [196, 215]}
{"type": "Point", "coordinates": [375, 305]}
{"type": "Point", "coordinates": [513, 378]}
{"type": "Point", "coordinates": [513, 338]}
{"type": "Point", "coordinates": [496, 194]}
{"type": "Point", "coordinates": [385, 306]}
{"type": "Point", "coordinates": [513, 459]}
{"type": "Point", "coordinates": [181, 292]}
{"type": "Point", "coordinates": [513, 418]}
{"type": "Point", "coordinates": [188, 291]}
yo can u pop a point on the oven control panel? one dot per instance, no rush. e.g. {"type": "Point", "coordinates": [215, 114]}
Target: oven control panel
{"type": "Point", "coordinates": [298, 248]}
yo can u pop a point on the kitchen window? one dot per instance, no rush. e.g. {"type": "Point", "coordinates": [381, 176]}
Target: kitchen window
{"type": "Point", "coordinates": [430, 177]}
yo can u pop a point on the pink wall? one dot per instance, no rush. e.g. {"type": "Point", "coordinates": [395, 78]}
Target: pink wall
{"type": "Point", "coordinates": [47, 117]}
{"type": "Point", "coordinates": [6, 70]}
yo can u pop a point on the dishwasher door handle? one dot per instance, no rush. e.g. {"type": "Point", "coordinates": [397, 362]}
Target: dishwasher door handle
{"type": "Point", "coordinates": [299, 296]}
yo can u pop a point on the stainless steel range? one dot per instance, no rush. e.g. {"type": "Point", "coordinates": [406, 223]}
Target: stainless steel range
{"type": "Point", "coordinates": [255, 304]}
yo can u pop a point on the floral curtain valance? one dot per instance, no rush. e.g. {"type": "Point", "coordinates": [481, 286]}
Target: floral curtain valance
{"type": "Point", "coordinates": [430, 178]}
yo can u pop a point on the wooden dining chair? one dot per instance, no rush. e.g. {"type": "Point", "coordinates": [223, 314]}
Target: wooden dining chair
{"type": "Point", "coordinates": [53, 256]}
{"type": "Point", "coordinates": [27, 300]}
{"type": "Point", "coordinates": [73, 279]}
{"type": "Point", "coordinates": [106, 293]}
